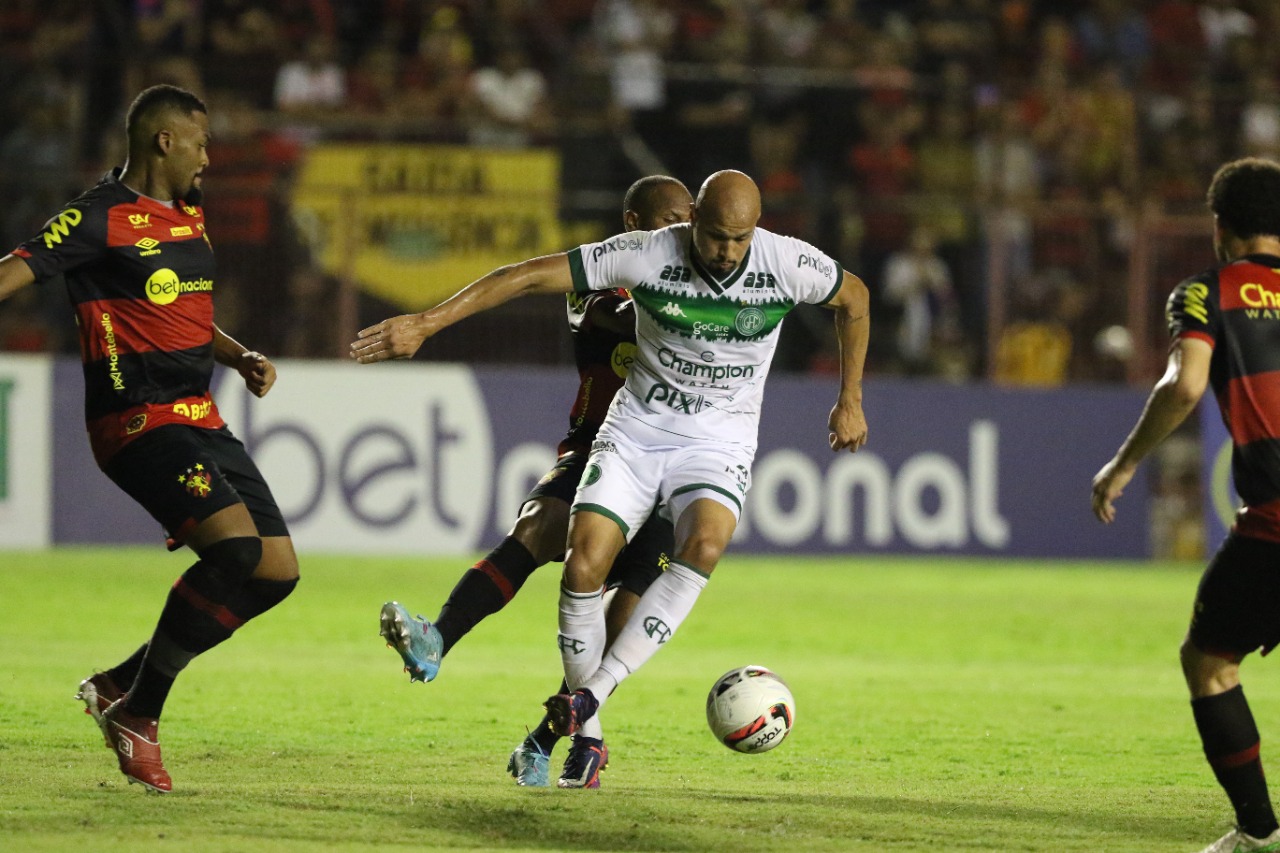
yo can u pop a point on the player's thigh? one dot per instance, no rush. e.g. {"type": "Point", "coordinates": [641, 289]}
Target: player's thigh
{"type": "Point", "coordinates": [622, 482]}
{"type": "Point", "coordinates": [176, 477]}
{"type": "Point", "coordinates": [645, 557]}
{"type": "Point", "coordinates": [279, 560]}
{"type": "Point", "coordinates": [720, 473]}
{"type": "Point", "coordinates": [1237, 607]}
{"type": "Point", "coordinates": [244, 476]}
{"type": "Point", "coordinates": [543, 524]}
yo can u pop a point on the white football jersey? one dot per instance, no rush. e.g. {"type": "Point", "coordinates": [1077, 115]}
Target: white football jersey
{"type": "Point", "coordinates": [704, 343]}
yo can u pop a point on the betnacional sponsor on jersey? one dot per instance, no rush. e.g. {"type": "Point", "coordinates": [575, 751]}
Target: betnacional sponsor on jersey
{"type": "Point", "coordinates": [164, 286]}
{"type": "Point", "coordinates": [437, 459]}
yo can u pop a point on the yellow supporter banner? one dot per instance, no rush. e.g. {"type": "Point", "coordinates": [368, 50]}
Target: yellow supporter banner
{"type": "Point", "coordinates": [415, 223]}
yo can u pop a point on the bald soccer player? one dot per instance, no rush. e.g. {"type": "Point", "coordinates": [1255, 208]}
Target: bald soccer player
{"type": "Point", "coordinates": [710, 296]}
{"type": "Point", "coordinates": [604, 338]}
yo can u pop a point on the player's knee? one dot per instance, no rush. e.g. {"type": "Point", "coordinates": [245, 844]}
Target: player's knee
{"type": "Point", "coordinates": [234, 559]}
{"type": "Point", "coordinates": [701, 552]}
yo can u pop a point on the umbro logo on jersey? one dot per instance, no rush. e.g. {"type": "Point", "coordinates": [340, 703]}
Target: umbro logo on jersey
{"type": "Point", "coordinates": [148, 247]}
{"type": "Point", "coordinates": [671, 310]}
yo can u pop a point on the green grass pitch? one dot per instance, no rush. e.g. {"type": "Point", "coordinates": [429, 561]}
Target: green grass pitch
{"type": "Point", "coordinates": [941, 705]}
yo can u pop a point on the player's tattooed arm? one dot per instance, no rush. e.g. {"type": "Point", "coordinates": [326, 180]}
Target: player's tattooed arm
{"type": "Point", "coordinates": [256, 369]}
{"type": "Point", "coordinates": [14, 275]}
{"type": "Point", "coordinates": [402, 336]}
{"type": "Point", "coordinates": [847, 425]}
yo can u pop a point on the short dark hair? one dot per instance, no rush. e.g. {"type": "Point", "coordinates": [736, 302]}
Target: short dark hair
{"type": "Point", "coordinates": [641, 193]}
{"type": "Point", "coordinates": [159, 99]}
{"type": "Point", "coordinates": [1245, 196]}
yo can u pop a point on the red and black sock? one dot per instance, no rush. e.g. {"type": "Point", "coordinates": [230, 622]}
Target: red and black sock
{"type": "Point", "coordinates": [485, 589]}
{"type": "Point", "coordinates": [195, 618]}
{"type": "Point", "coordinates": [1231, 744]}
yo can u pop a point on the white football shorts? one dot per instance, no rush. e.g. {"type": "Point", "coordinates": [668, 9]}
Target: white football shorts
{"type": "Point", "coordinates": [634, 468]}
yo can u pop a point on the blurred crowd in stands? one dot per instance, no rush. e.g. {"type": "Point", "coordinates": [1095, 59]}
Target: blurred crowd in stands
{"type": "Point", "coordinates": [988, 166]}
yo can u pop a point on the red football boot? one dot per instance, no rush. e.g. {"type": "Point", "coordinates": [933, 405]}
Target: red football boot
{"type": "Point", "coordinates": [137, 746]}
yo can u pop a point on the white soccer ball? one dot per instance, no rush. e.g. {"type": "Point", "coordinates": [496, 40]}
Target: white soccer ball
{"type": "Point", "coordinates": [750, 709]}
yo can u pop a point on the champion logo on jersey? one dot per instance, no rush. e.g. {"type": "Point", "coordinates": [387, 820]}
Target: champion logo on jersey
{"type": "Point", "coordinates": [671, 310]}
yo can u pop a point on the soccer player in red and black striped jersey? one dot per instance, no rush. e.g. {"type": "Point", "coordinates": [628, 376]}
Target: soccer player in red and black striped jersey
{"type": "Point", "coordinates": [139, 270]}
{"type": "Point", "coordinates": [604, 334]}
{"type": "Point", "coordinates": [1225, 325]}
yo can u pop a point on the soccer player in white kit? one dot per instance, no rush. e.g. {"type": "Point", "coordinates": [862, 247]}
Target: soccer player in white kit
{"type": "Point", "coordinates": [710, 297]}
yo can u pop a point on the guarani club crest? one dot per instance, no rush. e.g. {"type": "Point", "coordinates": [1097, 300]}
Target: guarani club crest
{"type": "Point", "coordinates": [711, 317]}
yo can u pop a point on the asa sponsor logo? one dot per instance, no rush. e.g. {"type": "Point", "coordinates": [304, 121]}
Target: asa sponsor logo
{"type": "Point", "coordinates": [181, 231]}
{"type": "Point", "coordinates": [61, 226]}
{"type": "Point", "coordinates": [759, 280]}
{"type": "Point", "coordinates": [147, 245]}
{"type": "Point", "coordinates": [617, 244]}
{"type": "Point", "coordinates": [816, 263]}
{"type": "Point", "coordinates": [164, 286]}
{"type": "Point", "coordinates": [197, 481]}
{"type": "Point", "coordinates": [140, 220]}
{"type": "Point", "coordinates": [113, 353]}
{"type": "Point", "coordinates": [676, 273]}
{"type": "Point", "coordinates": [675, 399]}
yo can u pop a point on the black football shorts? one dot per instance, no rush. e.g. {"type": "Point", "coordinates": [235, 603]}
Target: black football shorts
{"type": "Point", "coordinates": [182, 475]}
{"type": "Point", "coordinates": [1237, 608]}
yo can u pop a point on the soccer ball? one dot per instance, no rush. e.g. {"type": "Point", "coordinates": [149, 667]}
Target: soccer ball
{"type": "Point", "coordinates": [750, 709]}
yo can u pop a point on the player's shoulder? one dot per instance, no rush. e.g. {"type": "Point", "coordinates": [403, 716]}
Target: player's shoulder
{"type": "Point", "coordinates": [783, 245]}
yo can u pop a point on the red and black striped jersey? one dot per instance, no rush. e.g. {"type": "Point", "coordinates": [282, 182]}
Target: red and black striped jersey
{"type": "Point", "coordinates": [603, 358]}
{"type": "Point", "coordinates": [139, 275]}
{"type": "Point", "coordinates": [1235, 308]}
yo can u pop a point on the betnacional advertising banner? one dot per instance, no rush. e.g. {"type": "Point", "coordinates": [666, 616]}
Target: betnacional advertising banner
{"type": "Point", "coordinates": [413, 223]}
{"type": "Point", "coordinates": [412, 458]}
{"type": "Point", "coordinates": [25, 450]}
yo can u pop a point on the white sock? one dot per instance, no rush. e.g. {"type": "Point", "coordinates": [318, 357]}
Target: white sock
{"type": "Point", "coordinates": [582, 634]}
{"type": "Point", "coordinates": [661, 609]}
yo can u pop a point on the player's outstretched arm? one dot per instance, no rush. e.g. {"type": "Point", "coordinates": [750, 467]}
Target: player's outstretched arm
{"type": "Point", "coordinates": [400, 337]}
{"type": "Point", "coordinates": [1173, 398]}
{"type": "Point", "coordinates": [848, 424]}
{"type": "Point", "coordinates": [257, 370]}
{"type": "Point", "coordinates": [14, 275]}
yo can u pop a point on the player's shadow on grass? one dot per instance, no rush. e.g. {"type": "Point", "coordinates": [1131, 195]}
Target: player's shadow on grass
{"type": "Point", "coordinates": [665, 820]}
